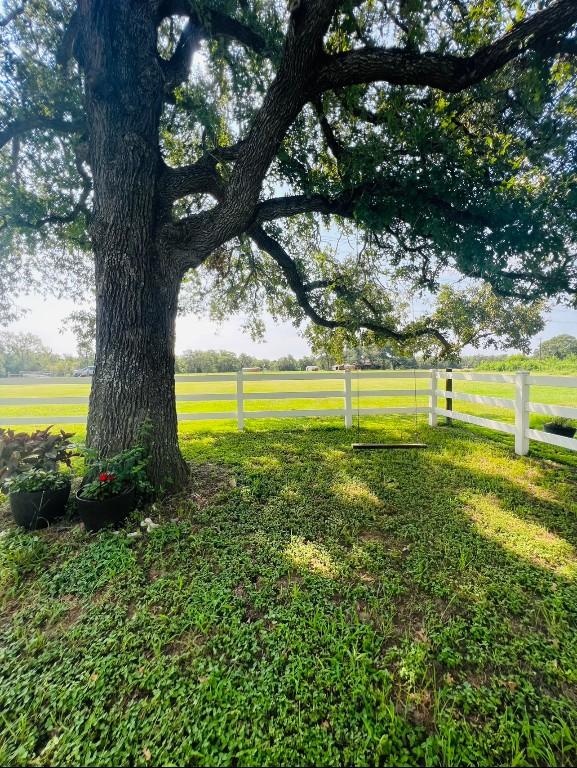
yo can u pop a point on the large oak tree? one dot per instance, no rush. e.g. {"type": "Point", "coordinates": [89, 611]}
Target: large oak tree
{"type": "Point", "coordinates": [166, 138]}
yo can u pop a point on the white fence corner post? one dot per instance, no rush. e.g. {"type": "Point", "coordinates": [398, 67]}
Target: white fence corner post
{"type": "Point", "coordinates": [521, 413]}
{"type": "Point", "coordinates": [240, 400]}
{"type": "Point", "coordinates": [348, 400]}
{"type": "Point", "coordinates": [433, 399]}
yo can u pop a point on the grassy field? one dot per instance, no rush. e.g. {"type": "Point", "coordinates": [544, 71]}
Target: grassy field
{"type": "Point", "coordinates": [303, 604]}
{"type": "Point", "coordinates": [81, 388]}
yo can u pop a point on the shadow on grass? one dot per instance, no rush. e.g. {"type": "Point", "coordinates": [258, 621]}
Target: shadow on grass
{"type": "Point", "coordinates": [464, 552]}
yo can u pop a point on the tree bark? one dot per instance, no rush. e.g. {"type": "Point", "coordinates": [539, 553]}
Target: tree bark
{"type": "Point", "coordinates": [136, 284]}
{"type": "Point", "coordinates": [134, 377]}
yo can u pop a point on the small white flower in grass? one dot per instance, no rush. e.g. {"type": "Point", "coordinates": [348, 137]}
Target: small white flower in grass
{"type": "Point", "coordinates": [134, 535]}
{"type": "Point", "coordinates": [148, 524]}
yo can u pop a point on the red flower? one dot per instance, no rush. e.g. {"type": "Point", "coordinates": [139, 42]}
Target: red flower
{"type": "Point", "coordinates": [106, 477]}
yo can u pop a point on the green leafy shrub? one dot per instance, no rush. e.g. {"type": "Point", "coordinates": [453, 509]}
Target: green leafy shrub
{"type": "Point", "coordinates": [561, 421]}
{"type": "Point", "coordinates": [37, 480]}
{"type": "Point", "coordinates": [109, 477]}
{"type": "Point", "coordinates": [20, 451]}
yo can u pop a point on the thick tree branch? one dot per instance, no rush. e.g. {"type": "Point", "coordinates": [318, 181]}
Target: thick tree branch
{"type": "Point", "coordinates": [176, 69]}
{"type": "Point", "coordinates": [344, 205]}
{"type": "Point", "coordinates": [200, 177]}
{"type": "Point", "coordinates": [449, 73]}
{"type": "Point", "coordinates": [12, 15]}
{"type": "Point", "coordinates": [301, 290]}
{"type": "Point", "coordinates": [37, 122]}
{"type": "Point", "coordinates": [221, 25]}
{"type": "Point", "coordinates": [214, 23]}
{"type": "Point", "coordinates": [65, 50]}
{"type": "Point", "coordinates": [282, 103]}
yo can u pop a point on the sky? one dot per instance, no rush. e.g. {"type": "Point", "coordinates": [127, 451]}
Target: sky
{"type": "Point", "coordinates": [45, 315]}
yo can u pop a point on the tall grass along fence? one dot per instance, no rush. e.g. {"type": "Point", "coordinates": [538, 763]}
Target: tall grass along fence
{"type": "Point", "coordinates": [349, 388]}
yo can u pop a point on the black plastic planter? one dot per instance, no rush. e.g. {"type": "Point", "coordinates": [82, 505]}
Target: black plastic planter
{"type": "Point", "coordinates": [100, 513]}
{"type": "Point", "coordinates": [559, 429]}
{"type": "Point", "coordinates": [39, 508]}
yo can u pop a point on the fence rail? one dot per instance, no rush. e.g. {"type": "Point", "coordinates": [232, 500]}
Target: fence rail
{"type": "Point", "coordinates": [439, 385]}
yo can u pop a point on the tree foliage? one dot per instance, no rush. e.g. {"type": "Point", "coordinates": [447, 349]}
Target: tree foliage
{"type": "Point", "coordinates": [428, 136]}
{"type": "Point", "coordinates": [25, 352]}
{"type": "Point", "coordinates": [561, 347]}
{"type": "Point", "coordinates": [82, 324]}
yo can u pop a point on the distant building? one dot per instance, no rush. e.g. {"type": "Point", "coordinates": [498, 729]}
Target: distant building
{"type": "Point", "coordinates": [255, 369]}
{"type": "Point", "coordinates": [312, 368]}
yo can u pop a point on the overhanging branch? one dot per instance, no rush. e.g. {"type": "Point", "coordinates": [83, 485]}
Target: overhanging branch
{"type": "Point", "coordinates": [448, 73]}
{"type": "Point", "coordinates": [301, 290]}
{"type": "Point", "coordinates": [37, 122]}
{"type": "Point", "coordinates": [214, 23]}
{"type": "Point", "coordinates": [198, 178]}
{"type": "Point", "coordinates": [345, 204]}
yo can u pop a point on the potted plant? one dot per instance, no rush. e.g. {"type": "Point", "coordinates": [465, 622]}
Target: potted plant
{"type": "Point", "coordinates": [38, 497]}
{"type": "Point", "coordinates": [111, 488]}
{"type": "Point", "coordinates": [560, 426]}
{"type": "Point", "coordinates": [37, 490]}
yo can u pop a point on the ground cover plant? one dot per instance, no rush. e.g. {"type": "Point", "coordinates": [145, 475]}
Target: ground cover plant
{"type": "Point", "coordinates": [304, 604]}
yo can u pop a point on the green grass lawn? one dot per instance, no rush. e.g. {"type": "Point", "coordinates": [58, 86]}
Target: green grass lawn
{"type": "Point", "coordinates": [305, 604]}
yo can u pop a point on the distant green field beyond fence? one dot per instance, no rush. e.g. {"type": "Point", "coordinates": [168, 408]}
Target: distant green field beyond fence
{"type": "Point", "coordinates": [21, 388]}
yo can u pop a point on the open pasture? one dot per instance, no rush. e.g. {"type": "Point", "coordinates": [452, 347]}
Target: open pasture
{"type": "Point", "coordinates": [27, 393]}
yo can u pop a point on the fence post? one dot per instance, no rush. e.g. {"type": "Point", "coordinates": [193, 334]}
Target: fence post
{"type": "Point", "coordinates": [449, 400]}
{"type": "Point", "coordinates": [240, 400]}
{"type": "Point", "coordinates": [433, 400]}
{"type": "Point", "coordinates": [348, 400]}
{"type": "Point", "coordinates": [521, 413]}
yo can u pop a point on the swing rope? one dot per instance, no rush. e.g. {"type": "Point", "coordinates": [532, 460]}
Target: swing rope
{"type": "Point", "coordinates": [385, 446]}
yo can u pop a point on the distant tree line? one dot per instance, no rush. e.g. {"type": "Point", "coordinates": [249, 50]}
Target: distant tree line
{"type": "Point", "coordinates": [224, 361]}
{"type": "Point", "coordinates": [25, 352]}
{"type": "Point", "coordinates": [558, 354]}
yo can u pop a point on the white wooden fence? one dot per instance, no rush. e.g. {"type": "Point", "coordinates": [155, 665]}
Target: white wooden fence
{"type": "Point", "coordinates": [522, 405]}
{"type": "Point", "coordinates": [347, 386]}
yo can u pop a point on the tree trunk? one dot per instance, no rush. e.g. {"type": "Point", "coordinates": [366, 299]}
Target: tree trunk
{"type": "Point", "coordinates": [136, 285]}
{"type": "Point", "coordinates": [134, 378]}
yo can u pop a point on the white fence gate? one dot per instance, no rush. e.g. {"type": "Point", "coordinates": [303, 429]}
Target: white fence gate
{"type": "Point", "coordinates": [346, 387]}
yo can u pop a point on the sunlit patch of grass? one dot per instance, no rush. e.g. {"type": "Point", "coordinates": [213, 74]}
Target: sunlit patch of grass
{"type": "Point", "coordinates": [352, 490]}
{"type": "Point", "coordinates": [333, 454]}
{"type": "Point", "coordinates": [267, 463]}
{"type": "Point", "coordinates": [523, 538]}
{"type": "Point", "coordinates": [306, 555]}
{"type": "Point", "coordinates": [526, 475]}
{"type": "Point", "coordinates": [290, 494]}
